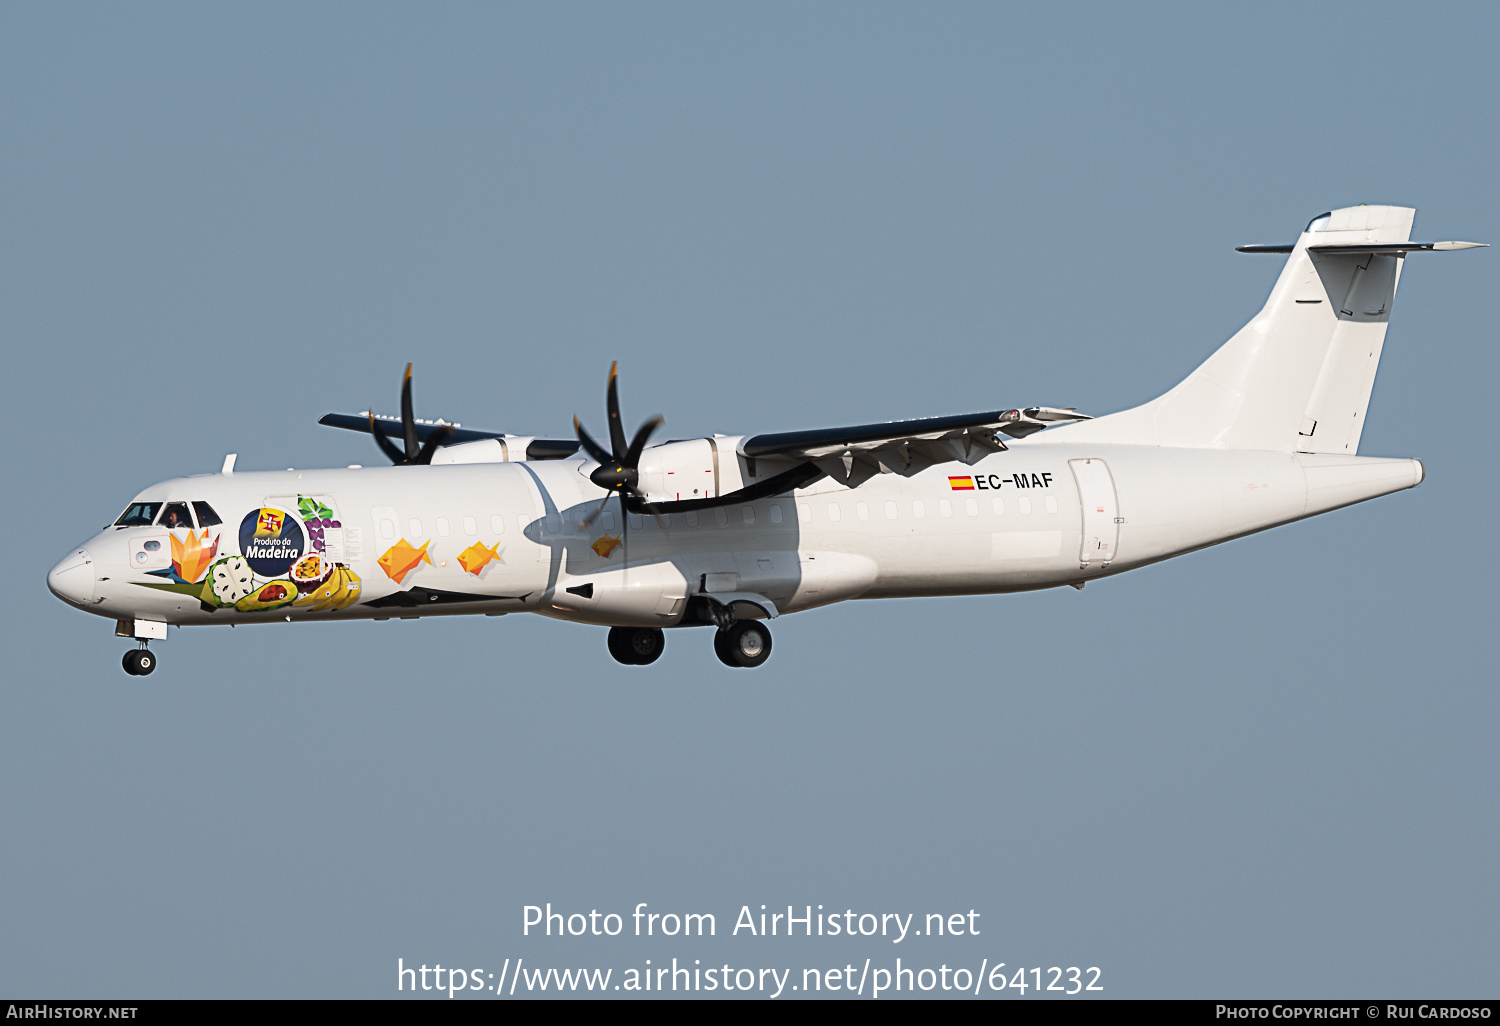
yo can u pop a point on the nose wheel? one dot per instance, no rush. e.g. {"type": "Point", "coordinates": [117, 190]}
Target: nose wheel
{"type": "Point", "coordinates": [636, 646]}
{"type": "Point", "coordinates": [138, 662]}
{"type": "Point", "coordinates": [745, 643]}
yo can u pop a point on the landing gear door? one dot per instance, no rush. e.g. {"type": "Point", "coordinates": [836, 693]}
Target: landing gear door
{"type": "Point", "coordinates": [1101, 511]}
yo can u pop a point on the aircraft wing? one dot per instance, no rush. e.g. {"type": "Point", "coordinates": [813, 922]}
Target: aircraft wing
{"type": "Point", "coordinates": [854, 454]}
{"type": "Point", "coordinates": [540, 449]}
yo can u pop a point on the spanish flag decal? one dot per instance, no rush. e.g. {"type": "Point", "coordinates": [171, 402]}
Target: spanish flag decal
{"type": "Point", "coordinates": [961, 484]}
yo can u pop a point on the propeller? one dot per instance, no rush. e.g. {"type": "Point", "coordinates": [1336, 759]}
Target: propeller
{"type": "Point", "coordinates": [618, 472]}
{"type": "Point", "coordinates": [416, 454]}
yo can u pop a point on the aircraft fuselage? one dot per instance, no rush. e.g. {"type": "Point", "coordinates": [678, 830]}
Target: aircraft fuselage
{"type": "Point", "coordinates": [497, 538]}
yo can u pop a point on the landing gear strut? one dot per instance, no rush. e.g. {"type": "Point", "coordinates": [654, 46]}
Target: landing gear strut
{"type": "Point", "coordinates": [746, 643]}
{"type": "Point", "coordinates": [138, 662]}
{"type": "Point", "coordinates": [636, 646]}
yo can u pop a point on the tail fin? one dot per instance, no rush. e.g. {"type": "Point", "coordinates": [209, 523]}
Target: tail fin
{"type": "Point", "coordinates": [1298, 377]}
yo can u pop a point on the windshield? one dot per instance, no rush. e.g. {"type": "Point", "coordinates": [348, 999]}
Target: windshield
{"type": "Point", "coordinates": [138, 514]}
{"type": "Point", "coordinates": [175, 515]}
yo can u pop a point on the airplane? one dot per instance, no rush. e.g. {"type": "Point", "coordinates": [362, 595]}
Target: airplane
{"type": "Point", "coordinates": [729, 532]}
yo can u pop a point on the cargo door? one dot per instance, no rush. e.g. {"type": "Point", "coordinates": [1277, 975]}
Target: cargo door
{"type": "Point", "coordinates": [1101, 510]}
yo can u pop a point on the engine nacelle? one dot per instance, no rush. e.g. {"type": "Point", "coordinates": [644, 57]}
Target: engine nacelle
{"type": "Point", "coordinates": [649, 595]}
{"type": "Point", "coordinates": [698, 468]}
{"type": "Point", "coordinates": [506, 449]}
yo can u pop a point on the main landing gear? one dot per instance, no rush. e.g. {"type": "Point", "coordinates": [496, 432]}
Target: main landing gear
{"type": "Point", "coordinates": [636, 646]}
{"type": "Point", "coordinates": [138, 662]}
{"type": "Point", "coordinates": [744, 643]}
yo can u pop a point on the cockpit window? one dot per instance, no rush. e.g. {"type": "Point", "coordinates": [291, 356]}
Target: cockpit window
{"type": "Point", "coordinates": [138, 514]}
{"type": "Point", "coordinates": [206, 515]}
{"type": "Point", "coordinates": [175, 515]}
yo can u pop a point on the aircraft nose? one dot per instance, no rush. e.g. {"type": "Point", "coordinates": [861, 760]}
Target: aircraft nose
{"type": "Point", "coordinates": [72, 580]}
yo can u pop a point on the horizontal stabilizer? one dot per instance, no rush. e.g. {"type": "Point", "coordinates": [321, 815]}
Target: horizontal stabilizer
{"type": "Point", "coordinates": [1384, 249]}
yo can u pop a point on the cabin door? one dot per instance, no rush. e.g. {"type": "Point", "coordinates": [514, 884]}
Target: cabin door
{"type": "Point", "coordinates": [1101, 511]}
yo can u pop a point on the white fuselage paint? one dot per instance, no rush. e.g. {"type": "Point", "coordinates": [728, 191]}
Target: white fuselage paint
{"type": "Point", "coordinates": [892, 536]}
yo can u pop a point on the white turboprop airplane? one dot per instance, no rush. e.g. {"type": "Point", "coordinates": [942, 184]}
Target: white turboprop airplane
{"type": "Point", "coordinates": [731, 531]}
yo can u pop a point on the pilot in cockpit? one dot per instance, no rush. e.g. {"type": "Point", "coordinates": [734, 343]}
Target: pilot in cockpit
{"type": "Point", "coordinates": [176, 515]}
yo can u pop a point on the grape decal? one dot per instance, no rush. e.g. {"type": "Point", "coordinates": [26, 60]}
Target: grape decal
{"type": "Point", "coordinates": [317, 518]}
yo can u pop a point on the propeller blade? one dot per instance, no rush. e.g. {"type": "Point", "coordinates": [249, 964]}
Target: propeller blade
{"type": "Point", "coordinates": [392, 453]}
{"type": "Point", "coordinates": [588, 521]}
{"type": "Point", "coordinates": [437, 438]}
{"type": "Point", "coordinates": [616, 429]}
{"type": "Point", "coordinates": [408, 420]}
{"type": "Point", "coordinates": [633, 454]}
{"type": "Point", "coordinates": [593, 448]}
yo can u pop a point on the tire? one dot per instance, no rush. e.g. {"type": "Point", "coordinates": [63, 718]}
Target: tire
{"type": "Point", "coordinates": [722, 650]}
{"type": "Point", "coordinates": [636, 646]}
{"type": "Point", "coordinates": [646, 644]}
{"type": "Point", "coordinates": [145, 662]}
{"type": "Point", "coordinates": [619, 645]}
{"type": "Point", "coordinates": [747, 643]}
{"type": "Point", "coordinates": [128, 663]}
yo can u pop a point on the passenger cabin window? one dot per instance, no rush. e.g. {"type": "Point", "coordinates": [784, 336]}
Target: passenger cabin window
{"type": "Point", "coordinates": [206, 515]}
{"type": "Point", "coordinates": [138, 514]}
{"type": "Point", "coordinates": [175, 515]}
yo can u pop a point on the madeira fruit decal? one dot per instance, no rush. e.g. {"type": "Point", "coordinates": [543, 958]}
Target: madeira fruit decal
{"type": "Point", "coordinates": [338, 590]}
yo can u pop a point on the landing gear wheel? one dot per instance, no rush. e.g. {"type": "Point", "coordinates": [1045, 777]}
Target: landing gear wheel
{"type": "Point", "coordinates": [745, 644]}
{"type": "Point", "coordinates": [636, 646]}
{"type": "Point", "coordinates": [138, 662]}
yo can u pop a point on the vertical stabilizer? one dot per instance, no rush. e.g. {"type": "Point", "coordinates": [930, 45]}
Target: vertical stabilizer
{"type": "Point", "coordinates": [1298, 377]}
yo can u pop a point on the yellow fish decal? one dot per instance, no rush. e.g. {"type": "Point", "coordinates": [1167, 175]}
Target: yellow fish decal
{"type": "Point", "coordinates": [477, 556]}
{"type": "Point", "coordinates": [401, 559]}
{"type": "Point", "coordinates": [606, 545]}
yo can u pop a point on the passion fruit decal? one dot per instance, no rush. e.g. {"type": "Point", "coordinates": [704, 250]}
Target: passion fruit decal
{"type": "Point", "coordinates": [310, 571]}
{"type": "Point", "coordinates": [271, 540]}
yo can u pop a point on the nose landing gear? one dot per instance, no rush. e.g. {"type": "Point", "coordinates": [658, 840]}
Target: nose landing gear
{"type": "Point", "coordinates": [138, 662]}
{"type": "Point", "coordinates": [745, 643]}
{"type": "Point", "coordinates": [636, 646]}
